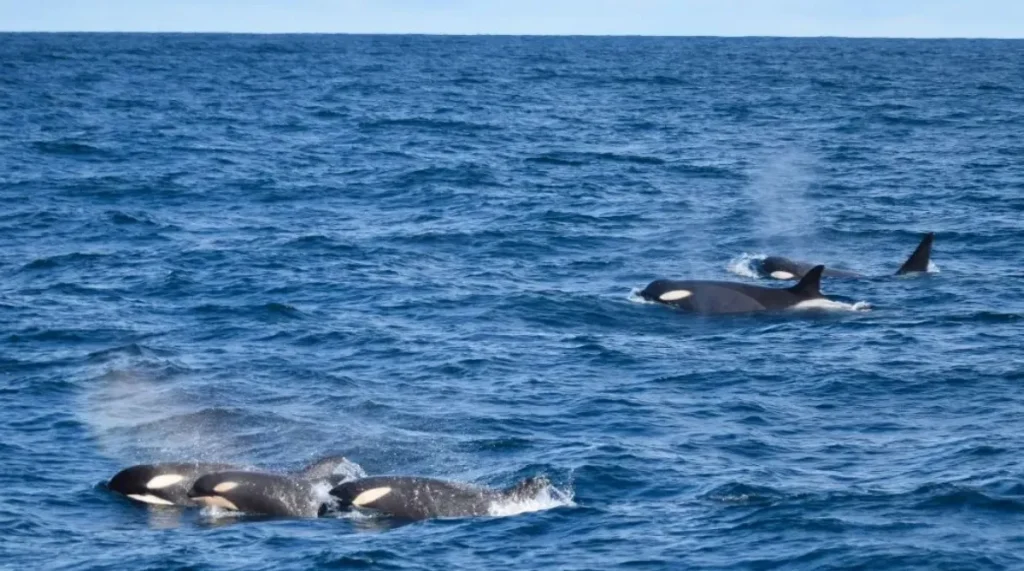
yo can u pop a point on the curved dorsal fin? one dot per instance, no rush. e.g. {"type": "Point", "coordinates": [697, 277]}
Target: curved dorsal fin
{"type": "Point", "coordinates": [810, 284]}
{"type": "Point", "coordinates": [918, 261]}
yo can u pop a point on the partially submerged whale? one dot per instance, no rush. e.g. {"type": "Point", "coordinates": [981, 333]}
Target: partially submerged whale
{"type": "Point", "coordinates": [408, 497]}
{"type": "Point", "coordinates": [713, 297]}
{"type": "Point", "coordinates": [782, 268]}
{"type": "Point", "coordinates": [168, 484]}
{"type": "Point", "coordinates": [260, 493]}
{"type": "Point", "coordinates": [164, 484]}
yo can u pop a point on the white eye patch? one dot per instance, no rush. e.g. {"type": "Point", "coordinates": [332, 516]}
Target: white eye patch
{"type": "Point", "coordinates": [370, 496]}
{"type": "Point", "coordinates": [675, 295]}
{"type": "Point", "coordinates": [164, 480]}
{"type": "Point", "coordinates": [225, 487]}
{"type": "Point", "coordinates": [781, 275]}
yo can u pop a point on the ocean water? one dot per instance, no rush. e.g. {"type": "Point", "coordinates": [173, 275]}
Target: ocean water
{"type": "Point", "coordinates": [423, 253]}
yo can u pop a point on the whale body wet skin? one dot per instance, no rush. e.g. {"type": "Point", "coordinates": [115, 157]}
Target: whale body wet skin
{"type": "Point", "coordinates": [782, 268]}
{"type": "Point", "coordinates": [259, 493]}
{"type": "Point", "coordinates": [168, 484]}
{"type": "Point", "coordinates": [162, 484]}
{"type": "Point", "coordinates": [714, 297]}
{"type": "Point", "coordinates": [415, 498]}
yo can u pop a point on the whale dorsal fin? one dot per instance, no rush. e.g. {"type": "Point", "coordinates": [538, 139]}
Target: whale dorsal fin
{"type": "Point", "coordinates": [918, 261]}
{"type": "Point", "coordinates": [810, 285]}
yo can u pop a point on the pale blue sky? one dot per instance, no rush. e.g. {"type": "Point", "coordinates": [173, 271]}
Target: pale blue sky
{"type": "Point", "coordinates": [888, 18]}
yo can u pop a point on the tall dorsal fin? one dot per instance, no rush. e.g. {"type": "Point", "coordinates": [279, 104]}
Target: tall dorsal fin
{"type": "Point", "coordinates": [918, 261]}
{"type": "Point", "coordinates": [810, 284]}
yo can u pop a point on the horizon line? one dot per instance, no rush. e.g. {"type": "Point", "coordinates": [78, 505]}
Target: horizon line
{"type": "Point", "coordinates": [506, 35]}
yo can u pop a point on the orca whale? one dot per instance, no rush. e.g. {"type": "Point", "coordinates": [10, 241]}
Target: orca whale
{"type": "Point", "coordinates": [260, 493]}
{"type": "Point", "coordinates": [415, 498]}
{"type": "Point", "coordinates": [168, 484]}
{"type": "Point", "coordinates": [782, 268]}
{"type": "Point", "coordinates": [161, 484]}
{"type": "Point", "coordinates": [711, 297]}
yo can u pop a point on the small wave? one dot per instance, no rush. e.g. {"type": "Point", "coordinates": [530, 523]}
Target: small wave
{"type": "Point", "coordinates": [67, 148]}
{"type": "Point", "coordinates": [59, 260]}
{"type": "Point", "coordinates": [903, 120]}
{"type": "Point", "coordinates": [746, 265]}
{"type": "Point", "coordinates": [467, 175]}
{"type": "Point", "coordinates": [119, 217]}
{"type": "Point", "coordinates": [984, 317]}
{"type": "Point", "coordinates": [932, 269]}
{"type": "Point", "coordinates": [822, 304]}
{"type": "Point", "coordinates": [635, 297]}
{"type": "Point", "coordinates": [989, 86]}
{"type": "Point", "coordinates": [957, 496]}
{"type": "Point", "coordinates": [432, 124]}
{"type": "Point", "coordinates": [706, 171]}
{"type": "Point", "coordinates": [650, 80]}
{"type": "Point", "coordinates": [330, 113]}
{"type": "Point", "coordinates": [282, 309]}
{"type": "Point", "coordinates": [581, 158]}
{"type": "Point", "coordinates": [546, 498]}
{"type": "Point", "coordinates": [555, 160]}
{"type": "Point", "coordinates": [738, 493]}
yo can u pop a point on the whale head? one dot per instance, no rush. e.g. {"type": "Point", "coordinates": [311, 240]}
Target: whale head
{"type": "Point", "coordinates": [256, 493]}
{"type": "Point", "coordinates": [160, 484]}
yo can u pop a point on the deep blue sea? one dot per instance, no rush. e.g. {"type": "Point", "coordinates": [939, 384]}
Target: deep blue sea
{"type": "Point", "coordinates": [424, 252]}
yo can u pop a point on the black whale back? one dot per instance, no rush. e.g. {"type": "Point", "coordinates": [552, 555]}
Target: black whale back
{"type": "Point", "coordinates": [262, 493]}
{"type": "Point", "coordinates": [415, 498]}
{"type": "Point", "coordinates": [716, 297]}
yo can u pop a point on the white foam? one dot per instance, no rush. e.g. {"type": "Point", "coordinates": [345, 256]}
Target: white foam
{"type": "Point", "coordinates": [216, 512]}
{"type": "Point", "coordinates": [822, 304]}
{"type": "Point", "coordinates": [546, 498]}
{"type": "Point", "coordinates": [635, 297]}
{"type": "Point", "coordinates": [745, 265]}
{"type": "Point", "coordinates": [349, 470]}
{"type": "Point", "coordinates": [322, 492]}
{"type": "Point", "coordinates": [932, 269]}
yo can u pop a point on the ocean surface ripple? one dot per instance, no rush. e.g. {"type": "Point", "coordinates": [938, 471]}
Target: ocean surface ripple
{"type": "Point", "coordinates": [422, 253]}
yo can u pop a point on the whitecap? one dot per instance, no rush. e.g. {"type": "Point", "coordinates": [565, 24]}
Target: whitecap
{"type": "Point", "coordinates": [746, 265]}
{"type": "Point", "coordinates": [546, 498]}
{"type": "Point", "coordinates": [635, 297]}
